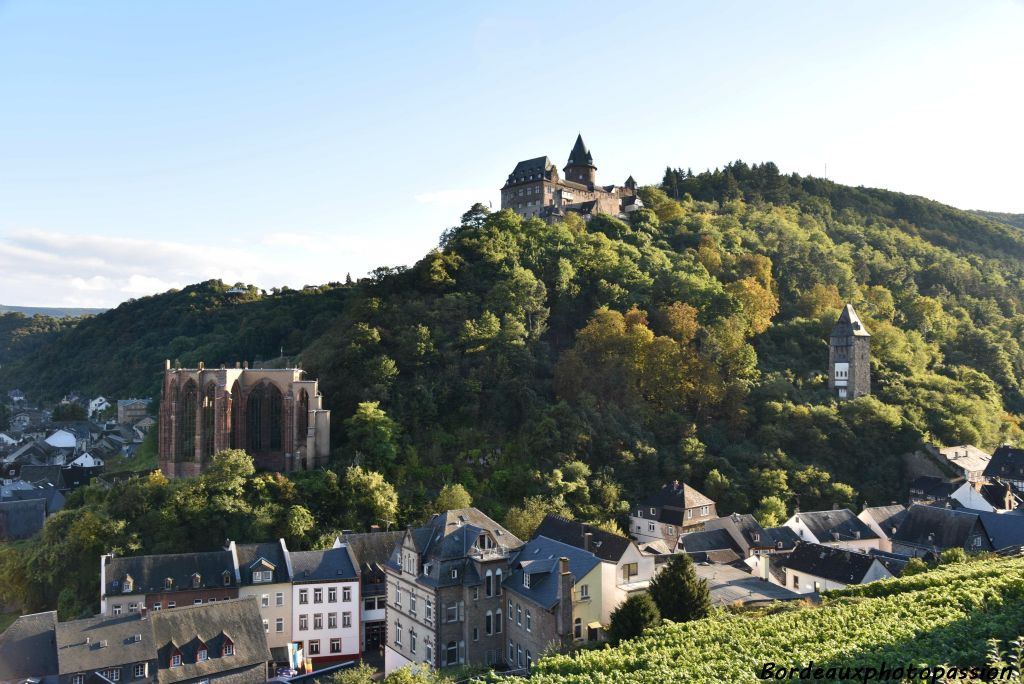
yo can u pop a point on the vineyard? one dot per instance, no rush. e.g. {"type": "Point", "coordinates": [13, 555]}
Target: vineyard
{"type": "Point", "coordinates": [945, 616]}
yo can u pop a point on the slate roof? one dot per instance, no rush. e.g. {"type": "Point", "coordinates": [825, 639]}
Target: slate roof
{"type": "Point", "coordinates": [580, 155]}
{"type": "Point", "coordinates": [149, 572]}
{"type": "Point", "coordinates": [321, 566]}
{"type": "Point", "coordinates": [1007, 463]}
{"type": "Point", "coordinates": [931, 526]}
{"type": "Point", "coordinates": [102, 641]}
{"type": "Point", "coordinates": [671, 500]}
{"type": "Point", "coordinates": [849, 324]}
{"type": "Point", "coordinates": [21, 519]}
{"type": "Point", "coordinates": [783, 534]}
{"type": "Point", "coordinates": [453, 534]}
{"type": "Point", "coordinates": [27, 647]}
{"type": "Point", "coordinates": [47, 493]}
{"type": "Point", "coordinates": [888, 518]}
{"type": "Point", "coordinates": [371, 550]}
{"type": "Point", "coordinates": [54, 474]}
{"type": "Point", "coordinates": [1005, 531]}
{"type": "Point", "coordinates": [933, 488]}
{"type": "Point", "coordinates": [828, 562]}
{"type": "Point", "coordinates": [743, 528]}
{"type": "Point", "coordinates": [527, 167]}
{"type": "Point", "coordinates": [539, 558]}
{"type": "Point", "coordinates": [835, 525]}
{"type": "Point", "coordinates": [605, 545]}
{"type": "Point", "coordinates": [893, 562]}
{"type": "Point", "coordinates": [249, 556]}
{"type": "Point", "coordinates": [995, 494]}
{"type": "Point", "coordinates": [709, 540]}
{"type": "Point", "coordinates": [239, 620]}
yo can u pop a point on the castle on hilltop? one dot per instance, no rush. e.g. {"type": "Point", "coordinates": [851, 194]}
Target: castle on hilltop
{"type": "Point", "coordinates": [534, 189]}
{"type": "Point", "coordinates": [849, 357]}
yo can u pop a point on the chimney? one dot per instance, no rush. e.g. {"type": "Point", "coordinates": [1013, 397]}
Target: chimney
{"type": "Point", "coordinates": [245, 365]}
{"type": "Point", "coordinates": [167, 364]}
{"type": "Point", "coordinates": [202, 365]}
{"type": "Point", "coordinates": [587, 538]}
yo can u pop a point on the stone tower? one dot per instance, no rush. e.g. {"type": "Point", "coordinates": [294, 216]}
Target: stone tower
{"type": "Point", "coordinates": [580, 168]}
{"type": "Point", "coordinates": [849, 357]}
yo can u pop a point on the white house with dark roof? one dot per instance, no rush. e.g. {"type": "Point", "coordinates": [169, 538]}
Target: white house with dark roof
{"type": "Point", "coordinates": [325, 605]}
{"type": "Point", "coordinates": [673, 510]}
{"type": "Point", "coordinates": [929, 530]}
{"type": "Point", "coordinates": [838, 527]}
{"type": "Point", "coordinates": [965, 460]}
{"type": "Point", "coordinates": [1007, 465]}
{"type": "Point", "coordinates": [812, 568]}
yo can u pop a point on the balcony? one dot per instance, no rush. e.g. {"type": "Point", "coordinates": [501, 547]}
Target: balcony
{"type": "Point", "coordinates": [491, 553]}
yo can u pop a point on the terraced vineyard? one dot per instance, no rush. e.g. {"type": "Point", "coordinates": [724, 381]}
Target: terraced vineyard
{"type": "Point", "coordinates": [944, 616]}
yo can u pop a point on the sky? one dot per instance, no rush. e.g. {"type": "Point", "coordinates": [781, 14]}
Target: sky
{"type": "Point", "coordinates": [150, 145]}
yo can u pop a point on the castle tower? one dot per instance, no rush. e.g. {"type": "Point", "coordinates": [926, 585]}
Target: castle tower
{"type": "Point", "coordinates": [849, 357]}
{"type": "Point", "coordinates": [580, 168]}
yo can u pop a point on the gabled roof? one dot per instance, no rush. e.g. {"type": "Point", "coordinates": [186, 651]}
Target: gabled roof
{"type": "Point", "coordinates": [888, 518]}
{"type": "Point", "coordinates": [453, 534]}
{"type": "Point", "coordinates": [675, 498]}
{"type": "Point", "coordinates": [849, 324]}
{"type": "Point", "coordinates": [1005, 531]}
{"type": "Point", "coordinates": [828, 562]}
{"type": "Point", "coordinates": [929, 487]}
{"type": "Point", "coordinates": [605, 545]}
{"type": "Point", "coordinates": [709, 540]}
{"type": "Point", "coordinates": [539, 558]}
{"type": "Point", "coordinates": [21, 519]}
{"type": "Point", "coordinates": [530, 167]}
{"type": "Point", "coordinates": [28, 648]}
{"type": "Point", "coordinates": [371, 550]}
{"type": "Point", "coordinates": [101, 641]}
{"type": "Point", "coordinates": [893, 562]}
{"type": "Point", "coordinates": [319, 566]}
{"type": "Point", "coordinates": [250, 555]}
{"type": "Point", "coordinates": [580, 155]}
{"type": "Point", "coordinates": [729, 585]}
{"type": "Point", "coordinates": [998, 495]}
{"type": "Point", "coordinates": [212, 623]}
{"type": "Point", "coordinates": [743, 528]}
{"type": "Point", "coordinates": [835, 525]}
{"type": "Point", "coordinates": [150, 572]}
{"type": "Point", "coordinates": [788, 538]}
{"type": "Point", "coordinates": [54, 474]}
{"type": "Point", "coordinates": [1007, 463]}
{"type": "Point", "coordinates": [931, 526]}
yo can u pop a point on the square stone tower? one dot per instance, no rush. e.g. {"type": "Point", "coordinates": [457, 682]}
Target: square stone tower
{"type": "Point", "coordinates": [849, 357]}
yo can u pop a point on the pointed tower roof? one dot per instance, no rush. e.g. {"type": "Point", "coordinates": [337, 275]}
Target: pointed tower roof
{"type": "Point", "coordinates": [849, 324]}
{"type": "Point", "coordinates": [630, 183]}
{"type": "Point", "coordinates": [580, 155]}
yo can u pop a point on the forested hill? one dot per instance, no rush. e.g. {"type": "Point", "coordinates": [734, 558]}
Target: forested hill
{"type": "Point", "coordinates": [584, 363]}
{"type": "Point", "coordinates": [1016, 220]}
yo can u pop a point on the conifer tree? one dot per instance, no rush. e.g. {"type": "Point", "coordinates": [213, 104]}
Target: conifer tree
{"type": "Point", "coordinates": [632, 617]}
{"type": "Point", "coordinates": [679, 594]}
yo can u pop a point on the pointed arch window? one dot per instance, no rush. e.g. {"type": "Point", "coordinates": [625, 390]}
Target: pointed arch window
{"type": "Point", "coordinates": [264, 419]}
{"type": "Point", "coordinates": [209, 427]}
{"type": "Point", "coordinates": [237, 441]}
{"type": "Point", "coordinates": [187, 405]}
{"type": "Point", "coordinates": [302, 419]}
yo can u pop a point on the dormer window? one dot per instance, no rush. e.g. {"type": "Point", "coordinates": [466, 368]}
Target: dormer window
{"type": "Point", "coordinates": [175, 658]}
{"type": "Point", "coordinates": [228, 649]}
{"type": "Point", "coordinates": [202, 655]}
{"type": "Point", "coordinates": [455, 573]}
{"type": "Point", "coordinates": [226, 576]}
{"type": "Point", "coordinates": [654, 511]}
{"type": "Point", "coordinates": [526, 580]}
{"type": "Point", "coordinates": [128, 585]}
{"type": "Point", "coordinates": [168, 583]}
{"type": "Point", "coordinates": [196, 580]}
{"type": "Point", "coordinates": [262, 576]}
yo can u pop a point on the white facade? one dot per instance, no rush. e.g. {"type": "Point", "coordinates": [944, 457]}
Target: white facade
{"type": "Point", "coordinates": [87, 460]}
{"type": "Point", "coordinates": [804, 583]}
{"type": "Point", "coordinates": [325, 618]}
{"type": "Point", "coordinates": [805, 534]}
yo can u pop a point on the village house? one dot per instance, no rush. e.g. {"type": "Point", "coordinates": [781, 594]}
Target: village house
{"type": "Point", "coordinates": [930, 530]}
{"type": "Point", "coordinates": [883, 521]}
{"type": "Point", "coordinates": [130, 411]}
{"type": "Point", "coordinates": [325, 605]}
{"type": "Point", "coordinates": [161, 582]}
{"type": "Point", "coordinates": [928, 489]}
{"type": "Point", "coordinates": [815, 567]}
{"type": "Point", "coordinates": [674, 510]}
{"type": "Point", "coordinates": [263, 571]}
{"type": "Point", "coordinates": [1007, 465]}
{"type": "Point", "coordinates": [211, 642]}
{"type": "Point", "coordinates": [442, 580]}
{"type": "Point", "coordinates": [838, 527]}
{"type": "Point", "coordinates": [371, 551]}
{"type": "Point", "coordinates": [732, 586]}
{"type": "Point", "coordinates": [554, 597]}
{"type": "Point", "coordinates": [990, 497]}
{"type": "Point", "coordinates": [633, 570]}
{"type": "Point", "coordinates": [966, 461]}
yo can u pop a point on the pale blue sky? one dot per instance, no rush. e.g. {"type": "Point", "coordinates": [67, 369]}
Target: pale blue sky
{"type": "Point", "coordinates": [145, 145]}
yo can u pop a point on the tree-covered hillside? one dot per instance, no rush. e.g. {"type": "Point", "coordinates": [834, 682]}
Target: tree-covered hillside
{"type": "Point", "coordinates": [575, 366]}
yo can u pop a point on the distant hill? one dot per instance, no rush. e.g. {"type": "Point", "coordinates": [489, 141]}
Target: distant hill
{"type": "Point", "coordinates": [1015, 220]}
{"type": "Point", "coordinates": [52, 312]}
